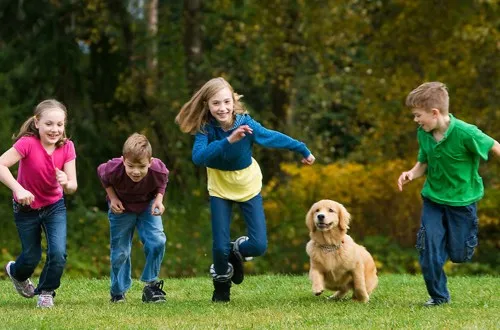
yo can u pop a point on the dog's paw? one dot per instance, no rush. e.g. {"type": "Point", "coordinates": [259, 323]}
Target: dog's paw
{"type": "Point", "coordinates": [318, 293]}
{"type": "Point", "coordinates": [364, 298]}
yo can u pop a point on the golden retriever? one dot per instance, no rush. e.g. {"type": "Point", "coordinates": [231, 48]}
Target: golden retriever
{"type": "Point", "coordinates": [337, 263]}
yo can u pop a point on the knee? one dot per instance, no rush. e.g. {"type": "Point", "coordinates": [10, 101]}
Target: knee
{"type": "Point", "coordinates": [157, 245]}
{"type": "Point", "coordinates": [57, 257]}
{"type": "Point", "coordinates": [220, 252]}
{"type": "Point", "coordinates": [119, 257]}
{"type": "Point", "coordinates": [257, 247]}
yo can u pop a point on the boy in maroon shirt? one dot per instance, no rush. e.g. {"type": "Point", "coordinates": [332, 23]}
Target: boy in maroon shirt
{"type": "Point", "coordinates": [135, 185]}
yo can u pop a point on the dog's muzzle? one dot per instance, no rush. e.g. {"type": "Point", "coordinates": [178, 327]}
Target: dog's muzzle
{"type": "Point", "coordinates": [320, 222]}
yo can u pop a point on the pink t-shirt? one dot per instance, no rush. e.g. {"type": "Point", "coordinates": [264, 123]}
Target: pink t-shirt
{"type": "Point", "coordinates": [37, 172]}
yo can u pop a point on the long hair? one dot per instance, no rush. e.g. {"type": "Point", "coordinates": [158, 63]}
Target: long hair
{"type": "Point", "coordinates": [195, 113]}
{"type": "Point", "coordinates": [28, 128]}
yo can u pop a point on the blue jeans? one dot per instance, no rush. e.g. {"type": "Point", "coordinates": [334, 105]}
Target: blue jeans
{"type": "Point", "coordinates": [150, 229]}
{"type": "Point", "coordinates": [446, 232]}
{"type": "Point", "coordinates": [253, 213]}
{"type": "Point", "coordinates": [30, 223]}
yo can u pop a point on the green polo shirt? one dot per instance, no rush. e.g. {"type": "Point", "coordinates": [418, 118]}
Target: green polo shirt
{"type": "Point", "coordinates": [453, 163]}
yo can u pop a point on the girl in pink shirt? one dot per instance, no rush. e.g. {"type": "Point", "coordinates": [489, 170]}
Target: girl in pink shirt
{"type": "Point", "coordinates": [46, 171]}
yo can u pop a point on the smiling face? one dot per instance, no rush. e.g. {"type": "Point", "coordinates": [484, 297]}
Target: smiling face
{"type": "Point", "coordinates": [428, 120]}
{"type": "Point", "coordinates": [326, 215]}
{"type": "Point", "coordinates": [137, 169]}
{"type": "Point", "coordinates": [50, 124]}
{"type": "Point", "coordinates": [221, 107]}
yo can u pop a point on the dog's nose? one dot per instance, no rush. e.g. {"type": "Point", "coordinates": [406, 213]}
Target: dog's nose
{"type": "Point", "coordinates": [321, 217]}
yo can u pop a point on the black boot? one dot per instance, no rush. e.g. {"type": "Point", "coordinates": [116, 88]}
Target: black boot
{"type": "Point", "coordinates": [222, 291]}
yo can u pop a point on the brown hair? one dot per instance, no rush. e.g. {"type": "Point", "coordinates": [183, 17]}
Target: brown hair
{"type": "Point", "coordinates": [28, 128]}
{"type": "Point", "coordinates": [137, 147]}
{"type": "Point", "coordinates": [195, 113]}
{"type": "Point", "coordinates": [429, 95]}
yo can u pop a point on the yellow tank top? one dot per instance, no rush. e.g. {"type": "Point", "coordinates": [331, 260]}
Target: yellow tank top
{"type": "Point", "coordinates": [239, 186]}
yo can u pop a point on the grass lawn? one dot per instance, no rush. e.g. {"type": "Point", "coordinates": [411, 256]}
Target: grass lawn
{"type": "Point", "coordinates": [260, 302]}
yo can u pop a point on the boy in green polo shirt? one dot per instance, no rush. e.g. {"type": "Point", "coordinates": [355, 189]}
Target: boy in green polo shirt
{"type": "Point", "coordinates": [449, 154]}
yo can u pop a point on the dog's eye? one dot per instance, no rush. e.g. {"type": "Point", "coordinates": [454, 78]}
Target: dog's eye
{"type": "Point", "coordinates": [331, 211]}
{"type": "Point", "coordinates": [317, 210]}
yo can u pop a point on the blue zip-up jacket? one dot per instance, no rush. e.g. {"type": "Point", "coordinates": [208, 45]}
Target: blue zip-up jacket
{"type": "Point", "coordinates": [212, 149]}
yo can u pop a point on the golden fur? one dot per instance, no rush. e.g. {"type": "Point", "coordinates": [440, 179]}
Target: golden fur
{"type": "Point", "coordinates": [337, 263]}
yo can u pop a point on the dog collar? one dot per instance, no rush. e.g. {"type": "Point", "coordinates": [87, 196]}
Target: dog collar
{"type": "Point", "coordinates": [329, 247]}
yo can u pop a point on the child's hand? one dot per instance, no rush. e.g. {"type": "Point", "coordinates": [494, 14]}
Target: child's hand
{"type": "Point", "coordinates": [157, 208]}
{"type": "Point", "coordinates": [24, 197]}
{"type": "Point", "coordinates": [309, 160]}
{"type": "Point", "coordinates": [61, 177]}
{"type": "Point", "coordinates": [239, 133]}
{"type": "Point", "coordinates": [116, 206]}
{"type": "Point", "coordinates": [404, 178]}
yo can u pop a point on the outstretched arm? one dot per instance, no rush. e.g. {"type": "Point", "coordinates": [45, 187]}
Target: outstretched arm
{"type": "Point", "coordinates": [416, 172]}
{"type": "Point", "coordinates": [496, 149]}
{"type": "Point", "coordinates": [204, 151]}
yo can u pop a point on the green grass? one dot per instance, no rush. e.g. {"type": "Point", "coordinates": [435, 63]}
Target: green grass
{"type": "Point", "coordinates": [265, 301]}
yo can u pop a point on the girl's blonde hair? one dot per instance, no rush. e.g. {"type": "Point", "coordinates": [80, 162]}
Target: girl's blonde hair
{"type": "Point", "coordinates": [195, 113]}
{"type": "Point", "coordinates": [28, 128]}
{"type": "Point", "coordinates": [137, 148]}
{"type": "Point", "coordinates": [429, 95]}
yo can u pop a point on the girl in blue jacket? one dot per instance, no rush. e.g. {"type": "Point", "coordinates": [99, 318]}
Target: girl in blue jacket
{"type": "Point", "coordinates": [224, 137]}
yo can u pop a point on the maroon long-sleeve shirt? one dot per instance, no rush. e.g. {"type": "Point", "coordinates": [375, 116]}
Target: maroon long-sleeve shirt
{"type": "Point", "coordinates": [135, 196]}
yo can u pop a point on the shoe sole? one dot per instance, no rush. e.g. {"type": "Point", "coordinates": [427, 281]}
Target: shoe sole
{"type": "Point", "coordinates": [22, 294]}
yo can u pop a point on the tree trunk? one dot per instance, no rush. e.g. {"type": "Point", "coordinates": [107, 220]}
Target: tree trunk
{"type": "Point", "coordinates": [152, 60]}
{"type": "Point", "coordinates": [193, 43]}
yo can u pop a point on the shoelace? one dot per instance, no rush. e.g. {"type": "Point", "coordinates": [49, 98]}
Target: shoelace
{"type": "Point", "coordinates": [157, 288]}
{"type": "Point", "coordinates": [46, 300]}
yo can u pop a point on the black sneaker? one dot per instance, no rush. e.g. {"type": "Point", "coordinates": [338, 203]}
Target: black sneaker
{"type": "Point", "coordinates": [119, 298]}
{"type": "Point", "coordinates": [154, 293]}
{"type": "Point", "coordinates": [222, 291]}
{"type": "Point", "coordinates": [238, 270]}
{"type": "Point", "coordinates": [236, 259]}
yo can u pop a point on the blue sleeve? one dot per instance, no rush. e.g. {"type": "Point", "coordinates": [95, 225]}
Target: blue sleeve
{"type": "Point", "coordinates": [204, 151]}
{"type": "Point", "coordinates": [274, 139]}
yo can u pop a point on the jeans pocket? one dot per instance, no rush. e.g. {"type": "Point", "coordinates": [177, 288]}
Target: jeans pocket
{"type": "Point", "coordinates": [420, 239]}
{"type": "Point", "coordinates": [470, 245]}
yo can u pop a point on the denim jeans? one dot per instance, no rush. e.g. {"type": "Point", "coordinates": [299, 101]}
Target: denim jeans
{"type": "Point", "coordinates": [150, 229]}
{"type": "Point", "coordinates": [446, 232]}
{"type": "Point", "coordinates": [253, 213]}
{"type": "Point", "coordinates": [30, 223]}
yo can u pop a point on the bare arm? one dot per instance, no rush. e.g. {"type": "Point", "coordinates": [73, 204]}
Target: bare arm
{"type": "Point", "coordinates": [416, 172]}
{"type": "Point", "coordinates": [115, 204]}
{"type": "Point", "coordinates": [9, 158]}
{"type": "Point", "coordinates": [496, 149]}
{"type": "Point", "coordinates": [67, 177]}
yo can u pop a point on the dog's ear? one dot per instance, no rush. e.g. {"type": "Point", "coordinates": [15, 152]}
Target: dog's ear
{"type": "Point", "coordinates": [344, 217]}
{"type": "Point", "coordinates": [309, 220]}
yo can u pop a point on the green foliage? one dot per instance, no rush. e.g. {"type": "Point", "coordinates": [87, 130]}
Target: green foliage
{"type": "Point", "coordinates": [383, 218]}
{"type": "Point", "coordinates": [333, 74]}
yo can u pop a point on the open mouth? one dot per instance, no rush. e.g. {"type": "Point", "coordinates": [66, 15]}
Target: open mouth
{"type": "Point", "coordinates": [322, 225]}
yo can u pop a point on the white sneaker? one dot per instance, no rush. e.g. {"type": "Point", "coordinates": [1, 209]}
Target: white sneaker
{"type": "Point", "coordinates": [45, 299]}
{"type": "Point", "coordinates": [24, 288]}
